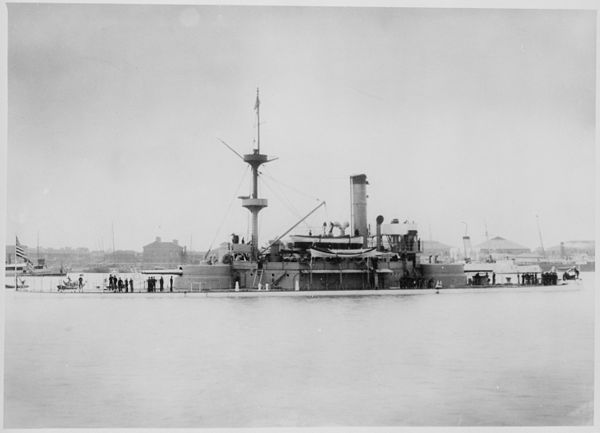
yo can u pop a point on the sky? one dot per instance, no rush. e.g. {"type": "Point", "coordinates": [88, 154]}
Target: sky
{"type": "Point", "coordinates": [463, 120]}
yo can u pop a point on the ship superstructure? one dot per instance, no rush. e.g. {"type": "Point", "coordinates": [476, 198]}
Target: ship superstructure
{"type": "Point", "coordinates": [332, 260]}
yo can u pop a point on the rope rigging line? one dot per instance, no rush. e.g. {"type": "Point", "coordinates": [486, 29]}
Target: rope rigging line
{"type": "Point", "coordinates": [290, 207]}
{"type": "Point", "coordinates": [228, 209]}
{"type": "Point", "coordinates": [285, 202]}
{"type": "Point", "coordinates": [290, 187]}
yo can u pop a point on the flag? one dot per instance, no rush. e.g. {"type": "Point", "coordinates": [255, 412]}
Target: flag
{"type": "Point", "coordinates": [20, 250]}
{"type": "Point", "coordinates": [257, 103]}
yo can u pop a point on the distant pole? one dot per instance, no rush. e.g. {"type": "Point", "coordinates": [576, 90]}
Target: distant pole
{"type": "Point", "coordinates": [351, 207]}
{"type": "Point", "coordinates": [16, 285]}
{"type": "Point", "coordinates": [487, 238]}
{"type": "Point", "coordinates": [537, 218]}
{"type": "Point", "coordinates": [466, 241]}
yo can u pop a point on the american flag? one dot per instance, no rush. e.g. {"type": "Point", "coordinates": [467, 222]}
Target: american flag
{"type": "Point", "coordinates": [20, 250]}
{"type": "Point", "coordinates": [257, 103]}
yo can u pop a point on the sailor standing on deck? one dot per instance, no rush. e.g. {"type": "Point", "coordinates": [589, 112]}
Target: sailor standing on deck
{"type": "Point", "coordinates": [171, 283]}
{"type": "Point", "coordinates": [162, 283]}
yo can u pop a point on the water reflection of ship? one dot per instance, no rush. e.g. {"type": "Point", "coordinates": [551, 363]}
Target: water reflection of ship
{"type": "Point", "coordinates": [390, 258]}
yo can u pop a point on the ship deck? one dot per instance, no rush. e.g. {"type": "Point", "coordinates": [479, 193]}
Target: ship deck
{"type": "Point", "coordinates": [325, 293]}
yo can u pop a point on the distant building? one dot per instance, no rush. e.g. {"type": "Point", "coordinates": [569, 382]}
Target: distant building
{"type": "Point", "coordinates": [124, 257]}
{"type": "Point", "coordinates": [499, 247]}
{"type": "Point", "coordinates": [162, 254]}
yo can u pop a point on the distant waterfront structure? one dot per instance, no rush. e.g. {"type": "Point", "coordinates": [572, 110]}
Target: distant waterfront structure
{"type": "Point", "coordinates": [163, 254]}
{"type": "Point", "coordinates": [570, 249]}
{"type": "Point", "coordinates": [51, 257]}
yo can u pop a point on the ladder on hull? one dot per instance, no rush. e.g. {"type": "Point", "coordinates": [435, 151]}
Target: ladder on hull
{"type": "Point", "coordinates": [258, 275]}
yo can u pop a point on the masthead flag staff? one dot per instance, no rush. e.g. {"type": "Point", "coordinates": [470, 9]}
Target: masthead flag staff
{"type": "Point", "coordinates": [257, 109]}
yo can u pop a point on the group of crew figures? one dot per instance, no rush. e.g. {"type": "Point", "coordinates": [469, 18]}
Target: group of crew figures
{"type": "Point", "coordinates": [525, 279]}
{"type": "Point", "coordinates": [118, 284]}
{"type": "Point", "coordinates": [408, 282]}
{"type": "Point", "coordinates": [152, 283]}
{"type": "Point", "coordinates": [124, 285]}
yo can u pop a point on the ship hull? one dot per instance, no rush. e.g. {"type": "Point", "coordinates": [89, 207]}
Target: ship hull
{"type": "Point", "coordinates": [316, 276]}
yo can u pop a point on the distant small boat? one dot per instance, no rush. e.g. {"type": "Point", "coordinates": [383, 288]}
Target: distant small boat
{"type": "Point", "coordinates": [571, 274]}
{"type": "Point", "coordinates": [20, 284]}
{"type": "Point", "coordinates": [12, 286]}
{"type": "Point", "coordinates": [12, 269]}
{"type": "Point", "coordinates": [70, 285]}
{"type": "Point", "coordinates": [41, 270]}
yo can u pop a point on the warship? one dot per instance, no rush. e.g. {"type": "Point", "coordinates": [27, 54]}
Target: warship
{"type": "Point", "coordinates": [390, 258]}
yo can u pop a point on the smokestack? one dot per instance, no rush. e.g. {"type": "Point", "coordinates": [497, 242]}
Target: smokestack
{"type": "Point", "coordinates": [467, 247]}
{"type": "Point", "coordinates": [379, 221]}
{"type": "Point", "coordinates": [359, 206]}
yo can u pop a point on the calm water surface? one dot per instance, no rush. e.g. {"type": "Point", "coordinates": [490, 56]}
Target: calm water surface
{"type": "Point", "coordinates": [142, 360]}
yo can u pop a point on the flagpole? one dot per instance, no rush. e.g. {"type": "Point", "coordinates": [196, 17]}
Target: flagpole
{"type": "Point", "coordinates": [16, 284]}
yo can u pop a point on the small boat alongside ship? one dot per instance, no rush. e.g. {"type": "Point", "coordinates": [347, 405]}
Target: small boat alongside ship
{"type": "Point", "coordinates": [19, 284]}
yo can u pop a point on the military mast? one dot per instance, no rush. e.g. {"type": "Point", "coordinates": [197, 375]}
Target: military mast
{"type": "Point", "coordinates": [255, 204]}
